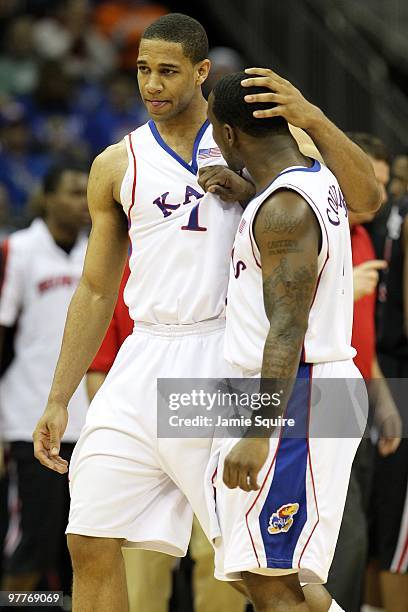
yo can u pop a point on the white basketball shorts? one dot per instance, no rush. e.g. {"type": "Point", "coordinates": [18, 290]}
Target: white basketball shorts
{"type": "Point", "coordinates": [291, 524]}
{"type": "Point", "coordinates": [124, 481]}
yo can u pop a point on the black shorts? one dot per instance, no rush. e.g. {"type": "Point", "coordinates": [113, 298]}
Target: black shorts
{"type": "Point", "coordinates": [43, 507]}
{"type": "Point", "coordinates": [388, 512]}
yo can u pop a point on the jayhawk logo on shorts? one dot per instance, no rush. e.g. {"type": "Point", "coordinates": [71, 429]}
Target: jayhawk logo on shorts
{"type": "Point", "coordinates": [282, 519]}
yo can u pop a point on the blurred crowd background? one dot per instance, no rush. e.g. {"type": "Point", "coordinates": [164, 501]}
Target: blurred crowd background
{"type": "Point", "coordinates": [68, 89]}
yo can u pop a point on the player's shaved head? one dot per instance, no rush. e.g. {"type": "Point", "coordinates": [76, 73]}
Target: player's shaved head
{"type": "Point", "coordinates": [229, 107]}
{"type": "Point", "coordinates": [179, 28]}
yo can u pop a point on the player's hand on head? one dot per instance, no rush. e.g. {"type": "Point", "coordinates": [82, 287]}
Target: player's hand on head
{"type": "Point", "coordinates": [288, 101]}
{"type": "Point", "coordinates": [47, 438]}
{"type": "Point", "coordinates": [244, 462]}
{"type": "Point", "coordinates": [366, 276]}
{"type": "Point", "coordinates": [225, 183]}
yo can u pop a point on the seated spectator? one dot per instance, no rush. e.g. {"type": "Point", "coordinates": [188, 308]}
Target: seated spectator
{"type": "Point", "coordinates": [21, 167]}
{"type": "Point", "coordinates": [120, 113]}
{"type": "Point", "coordinates": [56, 121]}
{"type": "Point", "coordinates": [18, 64]}
{"type": "Point", "coordinates": [69, 38]}
{"type": "Point", "coordinates": [124, 21]}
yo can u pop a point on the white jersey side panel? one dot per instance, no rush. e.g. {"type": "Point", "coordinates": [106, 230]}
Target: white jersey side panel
{"type": "Point", "coordinates": [39, 282]}
{"type": "Point", "coordinates": [181, 238]}
{"type": "Point", "coordinates": [328, 336]}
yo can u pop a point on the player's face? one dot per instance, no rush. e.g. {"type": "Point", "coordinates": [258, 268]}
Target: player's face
{"type": "Point", "coordinates": [224, 138]}
{"type": "Point", "coordinates": [68, 204]}
{"type": "Point", "coordinates": [168, 80]}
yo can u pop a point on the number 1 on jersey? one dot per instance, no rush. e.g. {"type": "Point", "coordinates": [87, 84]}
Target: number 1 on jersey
{"type": "Point", "coordinates": [193, 224]}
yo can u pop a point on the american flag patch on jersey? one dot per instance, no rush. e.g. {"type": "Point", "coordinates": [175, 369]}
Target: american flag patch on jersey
{"type": "Point", "coordinates": [207, 153]}
{"type": "Point", "coordinates": [242, 226]}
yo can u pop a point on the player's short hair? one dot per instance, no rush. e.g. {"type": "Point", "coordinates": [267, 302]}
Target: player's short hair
{"type": "Point", "coordinates": [230, 107]}
{"type": "Point", "coordinates": [179, 28]}
{"type": "Point", "coordinates": [53, 177]}
{"type": "Point", "coordinates": [372, 145]}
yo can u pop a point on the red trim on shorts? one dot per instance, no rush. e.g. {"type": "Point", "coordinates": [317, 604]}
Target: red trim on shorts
{"type": "Point", "coordinates": [134, 178]}
{"type": "Point", "coordinates": [311, 469]}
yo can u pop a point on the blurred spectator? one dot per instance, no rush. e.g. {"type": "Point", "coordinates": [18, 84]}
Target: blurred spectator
{"type": "Point", "coordinates": [388, 534]}
{"type": "Point", "coordinates": [18, 65]}
{"type": "Point", "coordinates": [123, 22]}
{"type": "Point", "coordinates": [399, 177]}
{"type": "Point", "coordinates": [120, 113]}
{"type": "Point", "coordinates": [346, 577]}
{"type": "Point", "coordinates": [5, 213]}
{"type": "Point", "coordinates": [224, 60]}
{"type": "Point", "coordinates": [41, 266]}
{"type": "Point", "coordinates": [57, 122]}
{"type": "Point", "coordinates": [70, 39]}
{"type": "Point", "coordinates": [21, 167]}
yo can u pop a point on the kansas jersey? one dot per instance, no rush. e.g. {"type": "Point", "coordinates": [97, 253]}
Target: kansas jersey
{"type": "Point", "coordinates": [181, 238]}
{"type": "Point", "coordinates": [328, 336]}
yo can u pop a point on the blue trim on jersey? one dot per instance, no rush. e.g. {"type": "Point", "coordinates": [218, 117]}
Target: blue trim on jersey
{"type": "Point", "coordinates": [193, 167]}
{"type": "Point", "coordinates": [289, 480]}
{"type": "Point", "coordinates": [315, 168]}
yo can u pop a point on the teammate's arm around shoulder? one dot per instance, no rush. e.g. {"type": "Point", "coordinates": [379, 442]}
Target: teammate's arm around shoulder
{"type": "Point", "coordinates": [93, 303]}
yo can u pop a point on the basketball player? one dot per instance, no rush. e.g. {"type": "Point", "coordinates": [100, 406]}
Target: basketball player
{"type": "Point", "coordinates": [289, 317]}
{"type": "Point", "coordinates": [125, 483]}
{"type": "Point", "coordinates": [41, 268]}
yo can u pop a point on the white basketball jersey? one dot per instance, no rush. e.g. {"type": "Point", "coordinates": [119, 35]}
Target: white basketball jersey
{"type": "Point", "coordinates": [39, 282]}
{"type": "Point", "coordinates": [181, 238]}
{"type": "Point", "coordinates": [328, 336]}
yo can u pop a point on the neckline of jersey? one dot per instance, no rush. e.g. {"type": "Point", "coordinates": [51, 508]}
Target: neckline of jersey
{"type": "Point", "coordinates": [314, 168]}
{"type": "Point", "coordinates": [193, 166]}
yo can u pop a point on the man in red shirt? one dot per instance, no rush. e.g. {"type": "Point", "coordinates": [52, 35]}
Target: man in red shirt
{"type": "Point", "coordinates": [346, 576]}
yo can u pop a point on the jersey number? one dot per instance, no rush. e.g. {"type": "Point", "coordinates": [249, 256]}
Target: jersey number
{"type": "Point", "coordinates": [193, 224]}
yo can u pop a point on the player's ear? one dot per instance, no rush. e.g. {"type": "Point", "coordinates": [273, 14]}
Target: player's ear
{"type": "Point", "coordinates": [229, 135]}
{"type": "Point", "coordinates": [202, 70]}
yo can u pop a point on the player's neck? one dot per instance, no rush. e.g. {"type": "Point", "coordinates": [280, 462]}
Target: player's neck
{"type": "Point", "coordinates": [267, 160]}
{"type": "Point", "coordinates": [60, 234]}
{"type": "Point", "coordinates": [187, 123]}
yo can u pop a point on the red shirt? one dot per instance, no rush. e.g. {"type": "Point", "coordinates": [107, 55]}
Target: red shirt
{"type": "Point", "coordinates": [363, 338]}
{"type": "Point", "coordinates": [119, 329]}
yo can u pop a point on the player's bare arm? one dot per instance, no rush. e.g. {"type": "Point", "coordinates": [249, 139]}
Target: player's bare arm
{"type": "Point", "coordinates": [93, 303]}
{"type": "Point", "coordinates": [287, 235]}
{"type": "Point", "coordinates": [344, 158]}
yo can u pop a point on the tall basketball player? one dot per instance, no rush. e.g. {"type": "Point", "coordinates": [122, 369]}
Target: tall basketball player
{"type": "Point", "coordinates": [125, 483]}
{"type": "Point", "coordinates": [289, 317]}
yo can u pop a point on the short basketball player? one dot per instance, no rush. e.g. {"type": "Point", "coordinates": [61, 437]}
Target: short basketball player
{"type": "Point", "coordinates": [289, 318]}
{"type": "Point", "coordinates": [125, 483]}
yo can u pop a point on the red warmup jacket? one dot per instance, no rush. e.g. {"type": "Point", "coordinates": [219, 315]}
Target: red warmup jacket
{"type": "Point", "coordinates": [119, 329]}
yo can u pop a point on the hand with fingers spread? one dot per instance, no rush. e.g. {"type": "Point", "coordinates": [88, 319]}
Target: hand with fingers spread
{"type": "Point", "coordinates": [244, 462]}
{"type": "Point", "coordinates": [288, 101]}
{"type": "Point", "coordinates": [365, 277]}
{"type": "Point", "coordinates": [225, 183]}
{"type": "Point", "coordinates": [47, 438]}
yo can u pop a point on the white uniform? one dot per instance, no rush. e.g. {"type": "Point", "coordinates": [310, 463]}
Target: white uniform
{"type": "Point", "coordinates": [39, 281]}
{"type": "Point", "coordinates": [125, 482]}
{"type": "Point", "coordinates": [291, 524]}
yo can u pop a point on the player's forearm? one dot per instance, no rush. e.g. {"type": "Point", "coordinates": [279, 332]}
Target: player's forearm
{"type": "Point", "coordinates": [88, 318]}
{"type": "Point", "coordinates": [348, 162]}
